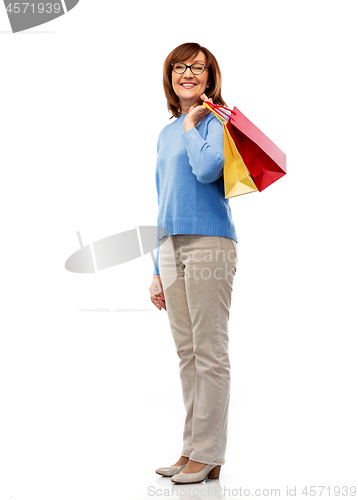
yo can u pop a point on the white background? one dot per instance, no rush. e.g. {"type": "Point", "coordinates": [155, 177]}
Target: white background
{"type": "Point", "coordinates": [91, 401]}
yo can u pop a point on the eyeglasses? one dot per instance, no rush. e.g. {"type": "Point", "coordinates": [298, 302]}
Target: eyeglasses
{"type": "Point", "coordinates": [181, 68]}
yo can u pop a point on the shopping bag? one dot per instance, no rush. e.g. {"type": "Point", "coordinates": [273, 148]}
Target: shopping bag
{"type": "Point", "coordinates": [263, 159]}
{"type": "Point", "coordinates": [237, 178]}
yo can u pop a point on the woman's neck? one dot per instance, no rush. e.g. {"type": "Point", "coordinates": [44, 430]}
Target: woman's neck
{"type": "Point", "coordinates": [184, 106]}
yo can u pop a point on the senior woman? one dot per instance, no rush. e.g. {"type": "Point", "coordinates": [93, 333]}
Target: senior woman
{"type": "Point", "coordinates": [196, 260]}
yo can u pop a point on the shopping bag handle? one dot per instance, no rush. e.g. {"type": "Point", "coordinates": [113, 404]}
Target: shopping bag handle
{"type": "Point", "coordinates": [221, 119]}
{"type": "Point", "coordinates": [220, 108]}
{"type": "Point", "coordinates": [216, 109]}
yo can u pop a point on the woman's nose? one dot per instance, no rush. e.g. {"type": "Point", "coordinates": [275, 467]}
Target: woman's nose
{"type": "Point", "coordinates": [187, 72]}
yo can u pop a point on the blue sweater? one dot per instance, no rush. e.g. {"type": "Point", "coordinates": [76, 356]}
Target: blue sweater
{"type": "Point", "coordinates": [189, 180]}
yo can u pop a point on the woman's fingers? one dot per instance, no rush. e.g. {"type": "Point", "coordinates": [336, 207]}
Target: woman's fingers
{"type": "Point", "coordinates": [162, 301]}
{"type": "Point", "coordinates": [156, 293]}
{"type": "Point", "coordinates": [204, 98]}
{"type": "Point", "coordinates": [156, 302]}
{"type": "Point", "coordinates": [159, 301]}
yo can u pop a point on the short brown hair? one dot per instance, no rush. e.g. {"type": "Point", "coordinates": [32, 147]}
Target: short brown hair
{"type": "Point", "coordinates": [185, 52]}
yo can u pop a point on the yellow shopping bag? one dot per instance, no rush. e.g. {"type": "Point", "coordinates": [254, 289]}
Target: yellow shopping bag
{"type": "Point", "coordinates": [237, 178]}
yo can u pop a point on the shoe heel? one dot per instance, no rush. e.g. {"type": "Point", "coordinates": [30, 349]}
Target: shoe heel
{"type": "Point", "coordinates": [215, 472]}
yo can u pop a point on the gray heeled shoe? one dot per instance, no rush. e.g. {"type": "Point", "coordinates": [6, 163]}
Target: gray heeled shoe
{"type": "Point", "coordinates": [210, 471]}
{"type": "Point", "coordinates": [170, 470]}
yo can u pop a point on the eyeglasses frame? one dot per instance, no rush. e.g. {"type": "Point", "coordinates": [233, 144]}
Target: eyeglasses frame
{"type": "Point", "coordinates": [186, 67]}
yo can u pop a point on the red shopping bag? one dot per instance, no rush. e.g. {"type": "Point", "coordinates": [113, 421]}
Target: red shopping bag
{"type": "Point", "coordinates": [263, 159]}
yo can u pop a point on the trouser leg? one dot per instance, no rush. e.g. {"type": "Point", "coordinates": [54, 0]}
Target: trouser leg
{"type": "Point", "coordinates": [209, 275]}
{"type": "Point", "coordinates": [198, 305]}
{"type": "Point", "coordinates": [172, 277]}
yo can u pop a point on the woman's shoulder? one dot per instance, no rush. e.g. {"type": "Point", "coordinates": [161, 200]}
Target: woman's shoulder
{"type": "Point", "coordinates": [169, 128]}
{"type": "Point", "coordinates": [169, 133]}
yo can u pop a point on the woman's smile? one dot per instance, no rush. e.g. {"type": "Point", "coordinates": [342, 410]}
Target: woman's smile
{"type": "Point", "coordinates": [188, 85]}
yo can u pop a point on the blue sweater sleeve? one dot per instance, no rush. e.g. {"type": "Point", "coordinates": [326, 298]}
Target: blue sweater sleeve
{"type": "Point", "coordinates": [206, 157]}
{"type": "Point", "coordinates": [156, 251]}
{"type": "Point", "coordinates": [156, 257]}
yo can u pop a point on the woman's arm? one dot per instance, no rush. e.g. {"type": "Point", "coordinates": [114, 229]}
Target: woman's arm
{"type": "Point", "coordinates": [206, 156]}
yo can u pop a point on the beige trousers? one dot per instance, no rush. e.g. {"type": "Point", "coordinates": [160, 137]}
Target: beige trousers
{"type": "Point", "coordinates": [197, 274]}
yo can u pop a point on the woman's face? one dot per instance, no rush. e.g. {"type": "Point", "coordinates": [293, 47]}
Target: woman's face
{"type": "Point", "coordinates": [189, 87]}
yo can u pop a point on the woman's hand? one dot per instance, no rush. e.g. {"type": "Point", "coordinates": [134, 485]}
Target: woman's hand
{"type": "Point", "coordinates": [196, 114]}
{"type": "Point", "coordinates": [156, 292]}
